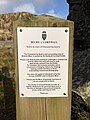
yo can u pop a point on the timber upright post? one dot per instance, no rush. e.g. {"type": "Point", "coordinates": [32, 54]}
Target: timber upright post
{"type": "Point", "coordinates": [43, 57]}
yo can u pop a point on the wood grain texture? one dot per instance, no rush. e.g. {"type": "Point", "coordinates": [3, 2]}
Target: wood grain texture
{"type": "Point", "coordinates": [44, 108]}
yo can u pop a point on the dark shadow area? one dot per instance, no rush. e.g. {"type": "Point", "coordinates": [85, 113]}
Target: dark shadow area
{"type": "Point", "coordinates": [79, 13]}
{"type": "Point", "coordinates": [81, 67]}
{"type": "Point", "coordinates": [9, 108]}
{"type": "Point", "coordinates": [80, 46]}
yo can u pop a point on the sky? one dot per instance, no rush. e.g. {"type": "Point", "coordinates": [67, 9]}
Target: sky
{"type": "Point", "coordinates": [58, 8]}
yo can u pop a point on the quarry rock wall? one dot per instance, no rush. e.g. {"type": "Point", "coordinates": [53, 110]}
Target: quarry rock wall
{"type": "Point", "coordinates": [79, 12]}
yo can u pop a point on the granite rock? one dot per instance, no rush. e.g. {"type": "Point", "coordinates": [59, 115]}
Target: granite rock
{"type": "Point", "coordinates": [79, 12]}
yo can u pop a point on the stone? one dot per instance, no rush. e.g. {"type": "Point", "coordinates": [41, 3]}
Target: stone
{"type": "Point", "coordinates": [79, 12]}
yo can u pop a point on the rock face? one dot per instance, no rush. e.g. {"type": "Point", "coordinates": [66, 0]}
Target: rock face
{"type": "Point", "coordinates": [84, 91]}
{"type": "Point", "coordinates": [79, 12]}
{"type": "Point", "coordinates": [81, 74]}
{"type": "Point", "coordinates": [6, 23]}
{"type": "Point", "coordinates": [80, 110]}
{"type": "Point", "coordinates": [81, 68]}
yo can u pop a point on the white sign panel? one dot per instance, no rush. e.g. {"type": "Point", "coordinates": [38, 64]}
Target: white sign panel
{"type": "Point", "coordinates": [43, 61]}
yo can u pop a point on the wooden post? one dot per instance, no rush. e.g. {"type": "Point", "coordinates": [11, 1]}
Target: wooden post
{"type": "Point", "coordinates": [44, 108]}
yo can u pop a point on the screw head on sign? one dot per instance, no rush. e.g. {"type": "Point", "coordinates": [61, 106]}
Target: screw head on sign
{"type": "Point", "coordinates": [66, 30]}
{"type": "Point", "coordinates": [22, 94]}
{"type": "Point", "coordinates": [64, 93]}
{"type": "Point", "coordinates": [20, 30]}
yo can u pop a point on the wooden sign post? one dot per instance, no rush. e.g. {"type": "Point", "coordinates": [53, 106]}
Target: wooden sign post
{"type": "Point", "coordinates": [43, 57]}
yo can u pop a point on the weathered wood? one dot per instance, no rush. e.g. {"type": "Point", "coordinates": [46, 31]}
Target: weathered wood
{"type": "Point", "coordinates": [44, 108]}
